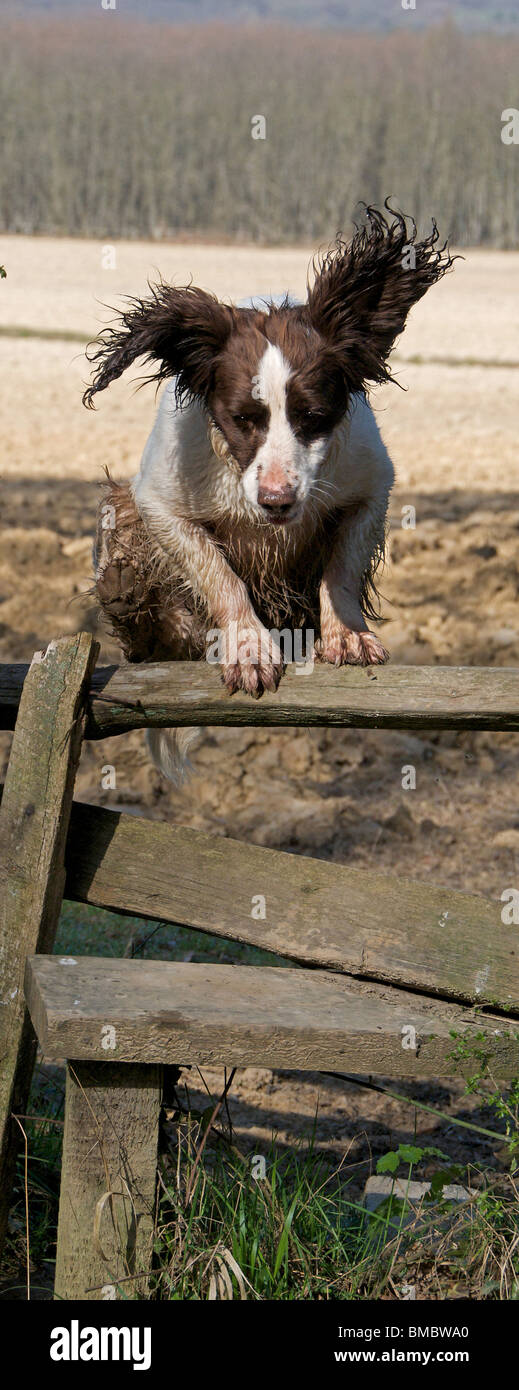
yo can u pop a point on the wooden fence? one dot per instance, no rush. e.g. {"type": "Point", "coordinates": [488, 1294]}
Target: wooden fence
{"type": "Point", "coordinates": [384, 973]}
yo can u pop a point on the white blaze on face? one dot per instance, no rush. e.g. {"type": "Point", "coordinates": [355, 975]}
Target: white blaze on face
{"type": "Point", "coordinates": [281, 459]}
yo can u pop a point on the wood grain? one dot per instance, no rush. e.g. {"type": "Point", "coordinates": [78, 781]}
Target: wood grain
{"type": "Point", "coordinates": [108, 1179]}
{"type": "Point", "coordinates": [171, 1012]}
{"type": "Point", "coordinates": [33, 826]}
{"type": "Point", "coordinates": [182, 693]}
{"type": "Point", "coordinates": [370, 925]}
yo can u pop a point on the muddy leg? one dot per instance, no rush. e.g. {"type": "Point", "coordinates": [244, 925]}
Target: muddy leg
{"type": "Point", "coordinates": [148, 620]}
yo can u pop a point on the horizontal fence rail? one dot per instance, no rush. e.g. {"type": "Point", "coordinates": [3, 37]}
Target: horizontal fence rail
{"type": "Point", "coordinates": [180, 693]}
{"type": "Point", "coordinates": [172, 1012]}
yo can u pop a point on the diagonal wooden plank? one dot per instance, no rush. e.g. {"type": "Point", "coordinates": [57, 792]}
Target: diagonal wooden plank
{"type": "Point", "coordinates": [34, 819]}
{"type": "Point", "coordinates": [371, 925]}
{"type": "Point", "coordinates": [160, 1011]}
{"type": "Point", "coordinates": [183, 693]}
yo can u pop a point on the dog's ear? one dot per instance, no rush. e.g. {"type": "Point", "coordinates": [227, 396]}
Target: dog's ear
{"type": "Point", "coordinates": [363, 291]}
{"type": "Point", "coordinates": [182, 330]}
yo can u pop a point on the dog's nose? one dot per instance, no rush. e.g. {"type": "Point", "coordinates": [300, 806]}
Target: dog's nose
{"type": "Point", "coordinates": [279, 499]}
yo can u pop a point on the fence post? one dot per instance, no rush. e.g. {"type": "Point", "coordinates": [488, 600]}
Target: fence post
{"type": "Point", "coordinates": [108, 1180]}
{"type": "Point", "coordinates": [34, 817]}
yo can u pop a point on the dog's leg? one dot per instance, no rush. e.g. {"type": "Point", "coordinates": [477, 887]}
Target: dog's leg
{"type": "Point", "coordinates": [149, 621]}
{"type": "Point", "coordinates": [250, 660]}
{"type": "Point", "coordinates": [345, 637]}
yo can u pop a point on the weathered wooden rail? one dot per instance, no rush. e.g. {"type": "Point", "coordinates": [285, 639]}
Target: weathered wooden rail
{"type": "Point", "coordinates": [383, 928]}
{"type": "Point", "coordinates": [385, 974]}
{"type": "Point", "coordinates": [386, 697]}
{"type": "Point", "coordinates": [179, 1013]}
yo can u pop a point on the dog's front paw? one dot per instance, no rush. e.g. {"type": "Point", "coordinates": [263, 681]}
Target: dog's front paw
{"type": "Point", "coordinates": [344, 647]}
{"type": "Point", "coordinates": [255, 664]}
{"type": "Point", "coordinates": [120, 589]}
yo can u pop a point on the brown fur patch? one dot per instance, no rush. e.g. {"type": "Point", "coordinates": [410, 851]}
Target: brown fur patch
{"type": "Point", "coordinates": [147, 610]}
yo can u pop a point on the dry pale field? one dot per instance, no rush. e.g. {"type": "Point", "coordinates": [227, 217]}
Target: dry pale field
{"type": "Point", "coordinates": [454, 425]}
{"type": "Point", "coordinates": [451, 595]}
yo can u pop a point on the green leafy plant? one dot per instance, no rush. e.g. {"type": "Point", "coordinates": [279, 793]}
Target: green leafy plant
{"type": "Point", "coordinates": [504, 1101]}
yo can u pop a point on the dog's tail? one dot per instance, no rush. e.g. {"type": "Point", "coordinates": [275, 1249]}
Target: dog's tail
{"type": "Point", "coordinates": [169, 750]}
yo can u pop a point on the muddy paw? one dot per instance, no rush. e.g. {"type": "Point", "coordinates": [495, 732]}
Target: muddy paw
{"type": "Point", "coordinates": [257, 665]}
{"type": "Point", "coordinates": [252, 678]}
{"type": "Point", "coordinates": [348, 648]}
{"type": "Point", "coordinates": [120, 589]}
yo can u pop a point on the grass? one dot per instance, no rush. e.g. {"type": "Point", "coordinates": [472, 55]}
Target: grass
{"type": "Point", "coordinates": [92, 931]}
{"type": "Point", "coordinates": [43, 1127]}
{"type": "Point", "coordinates": [64, 335]}
{"type": "Point", "coordinates": [296, 1232]}
{"type": "Point", "coordinates": [283, 1224]}
{"type": "Point", "coordinates": [417, 359]}
{"type": "Point", "coordinates": [288, 1233]}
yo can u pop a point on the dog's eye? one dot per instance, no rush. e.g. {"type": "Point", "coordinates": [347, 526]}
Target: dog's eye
{"type": "Point", "coordinates": [243, 420]}
{"type": "Point", "coordinates": [315, 419]}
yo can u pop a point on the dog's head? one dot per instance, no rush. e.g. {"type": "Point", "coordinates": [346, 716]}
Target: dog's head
{"type": "Point", "coordinates": [277, 379]}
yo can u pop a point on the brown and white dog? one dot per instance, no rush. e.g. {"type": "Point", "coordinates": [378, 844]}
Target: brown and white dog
{"type": "Point", "coordinates": [263, 488]}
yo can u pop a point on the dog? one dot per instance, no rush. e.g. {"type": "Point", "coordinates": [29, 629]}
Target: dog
{"type": "Point", "coordinates": [263, 490]}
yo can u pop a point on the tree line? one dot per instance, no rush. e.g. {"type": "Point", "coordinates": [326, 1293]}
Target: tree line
{"type": "Point", "coordinates": [140, 130]}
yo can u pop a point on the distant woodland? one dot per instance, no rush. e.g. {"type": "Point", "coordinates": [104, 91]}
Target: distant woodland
{"type": "Point", "coordinates": [146, 130]}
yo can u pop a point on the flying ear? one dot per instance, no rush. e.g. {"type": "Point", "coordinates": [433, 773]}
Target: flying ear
{"type": "Point", "coordinates": [181, 330]}
{"type": "Point", "coordinates": [364, 290]}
